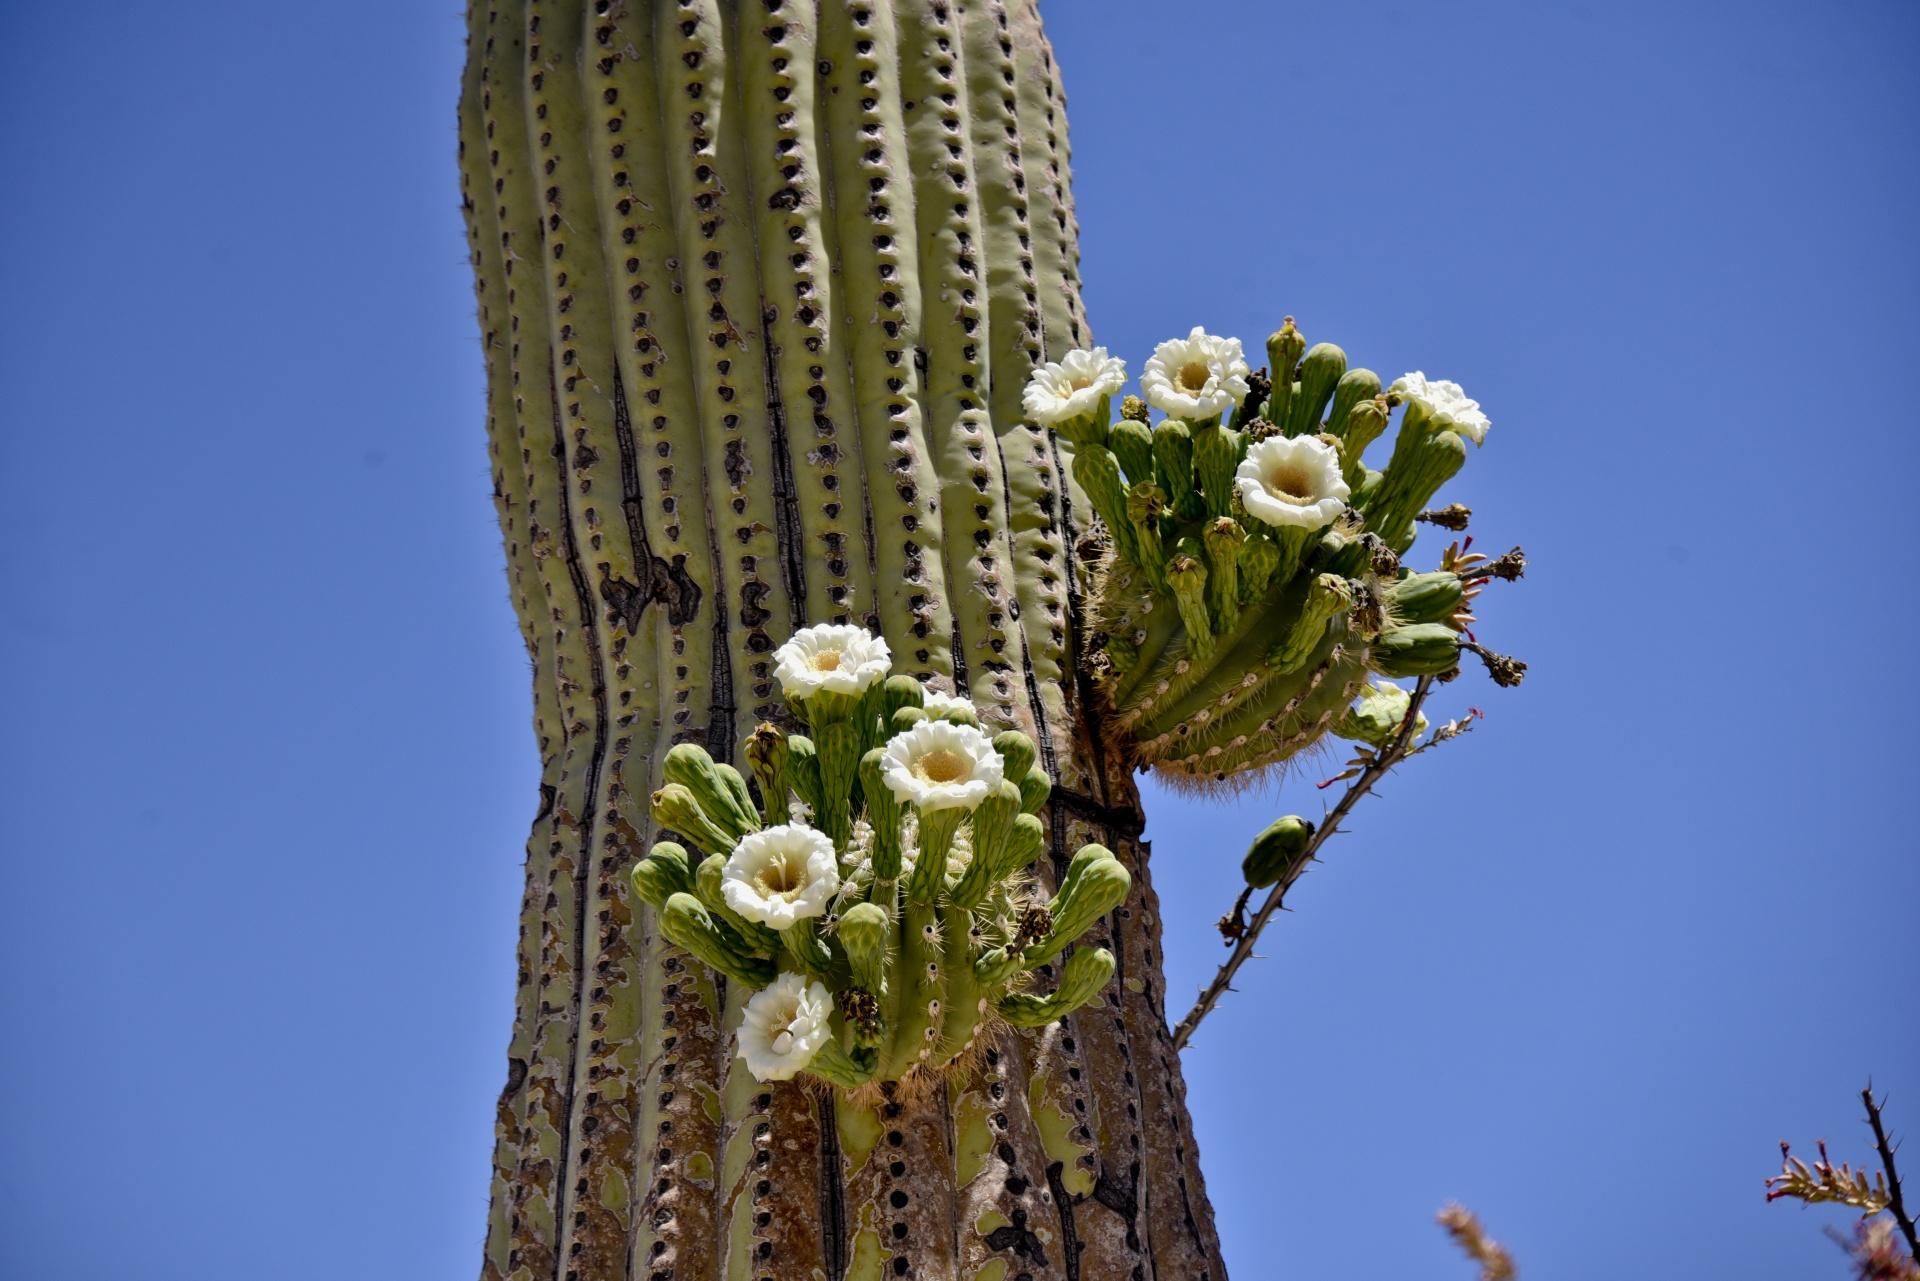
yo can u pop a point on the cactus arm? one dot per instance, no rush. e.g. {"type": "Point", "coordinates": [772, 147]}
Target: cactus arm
{"type": "Point", "coordinates": [1081, 979]}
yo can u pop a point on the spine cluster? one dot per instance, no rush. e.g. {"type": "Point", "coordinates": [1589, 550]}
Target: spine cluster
{"type": "Point", "coordinates": [1254, 576]}
{"type": "Point", "coordinates": [871, 886]}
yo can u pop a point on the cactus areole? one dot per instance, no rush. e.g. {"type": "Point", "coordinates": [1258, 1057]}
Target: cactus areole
{"type": "Point", "coordinates": [762, 286]}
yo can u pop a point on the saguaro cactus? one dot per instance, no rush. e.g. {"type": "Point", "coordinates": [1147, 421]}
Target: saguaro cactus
{"type": "Point", "coordinates": [760, 284]}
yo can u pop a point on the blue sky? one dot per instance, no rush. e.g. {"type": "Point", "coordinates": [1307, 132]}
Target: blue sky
{"type": "Point", "coordinates": [266, 760]}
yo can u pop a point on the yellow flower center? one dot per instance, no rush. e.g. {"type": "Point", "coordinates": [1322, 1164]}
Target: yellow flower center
{"type": "Point", "coordinates": [781, 874]}
{"type": "Point", "coordinates": [1079, 383]}
{"type": "Point", "coordinates": [1194, 375]}
{"type": "Point", "coordinates": [828, 661]}
{"type": "Point", "coordinates": [1290, 485]}
{"type": "Point", "coordinates": [943, 766]}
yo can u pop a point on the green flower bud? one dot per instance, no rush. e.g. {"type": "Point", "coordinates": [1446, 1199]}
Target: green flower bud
{"type": "Point", "coordinates": [1132, 444]}
{"type": "Point", "coordinates": [863, 933]}
{"type": "Point", "coordinates": [803, 770]}
{"type": "Point", "coordinates": [839, 750]}
{"type": "Point", "coordinates": [899, 692]}
{"type": "Point", "coordinates": [1426, 598]}
{"type": "Point", "coordinates": [1086, 972]}
{"type": "Point", "coordinates": [1277, 852]}
{"type": "Point", "coordinates": [1216, 456]}
{"type": "Point", "coordinates": [904, 719]}
{"type": "Point", "coordinates": [1365, 422]}
{"type": "Point", "coordinates": [1259, 558]}
{"type": "Point", "coordinates": [1035, 788]}
{"type": "Point", "coordinates": [767, 758]}
{"type": "Point", "coordinates": [883, 816]}
{"type": "Point", "coordinates": [1098, 472]}
{"type": "Point", "coordinates": [1355, 387]}
{"type": "Point", "coordinates": [1319, 373]}
{"type": "Point", "coordinates": [1223, 538]}
{"type": "Point", "coordinates": [1016, 752]}
{"type": "Point", "coordinates": [1187, 579]}
{"type": "Point", "coordinates": [1173, 467]}
{"type": "Point", "coordinates": [1417, 649]}
{"type": "Point", "coordinates": [685, 921]}
{"type": "Point", "coordinates": [1326, 597]}
{"type": "Point", "coordinates": [665, 871]}
{"type": "Point", "coordinates": [730, 810]}
{"type": "Point", "coordinates": [992, 826]}
{"type": "Point", "coordinates": [1423, 460]}
{"type": "Point", "coordinates": [1146, 503]}
{"type": "Point", "coordinates": [1025, 839]}
{"type": "Point", "coordinates": [675, 809]}
{"type": "Point", "coordinates": [1092, 887]}
{"type": "Point", "coordinates": [1284, 349]}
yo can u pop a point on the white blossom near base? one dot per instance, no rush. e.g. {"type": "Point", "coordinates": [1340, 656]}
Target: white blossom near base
{"type": "Point", "coordinates": [937, 705]}
{"type": "Point", "coordinates": [836, 658]}
{"type": "Point", "coordinates": [780, 875]}
{"type": "Point", "coordinates": [1446, 402]}
{"type": "Point", "coordinates": [1071, 387]}
{"type": "Point", "coordinates": [784, 1026]}
{"type": "Point", "coordinates": [1197, 377]}
{"type": "Point", "coordinates": [938, 765]}
{"type": "Point", "coordinates": [1292, 482]}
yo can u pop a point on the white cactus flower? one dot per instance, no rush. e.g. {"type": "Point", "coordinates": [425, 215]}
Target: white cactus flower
{"type": "Point", "coordinates": [1072, 386]}
{"type": "Point", "coordinates": [836, 658]}
{"type": "Point", "coordinates": [1199, 376]}
{"type": "Point", "coordinates": [1292, 482]}
{"type": "Point", "coordinates": [1445, 401]}
{"type": "Point", "coordinates": [936, 705]}
{"type": "Point", "coordinates": [938, 765]}
{"type": "Point", "coordinates": [780, 875]}
{"type": "Point", "coordinates": [785, 1024]}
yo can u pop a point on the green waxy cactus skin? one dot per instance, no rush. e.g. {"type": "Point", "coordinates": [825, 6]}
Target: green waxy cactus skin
{"type": "Point", "coordinates": [1232, 643]}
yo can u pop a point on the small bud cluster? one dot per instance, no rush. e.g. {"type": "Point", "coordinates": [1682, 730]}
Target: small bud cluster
{"type": "Point", "coordinates": [880, 934]}
{"type": "Point", "coordinates": [1254, 578]}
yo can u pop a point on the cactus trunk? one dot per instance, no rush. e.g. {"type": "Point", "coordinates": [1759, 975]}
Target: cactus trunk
{"type": "Point", "coordinates": [759, 284]}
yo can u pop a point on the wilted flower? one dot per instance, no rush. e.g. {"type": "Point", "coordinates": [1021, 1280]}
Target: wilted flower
{"type": "Point", "coordinates": [1197, 377]}
{"type": "Point", "coordinates": [785, 1024]}
{"type": "Point", "coordinates": [1072, 386]}
{"type": "Point", "coordinates": [1377, 715]}
{"type": "Point", "coordinates": [780, 875]}
{"type": "Point", "coordinates": [1292, 481]}
{"type": "Point", "coordinates": [938, 765]}
{"type": "Point", "coordinates": [1446, 402]}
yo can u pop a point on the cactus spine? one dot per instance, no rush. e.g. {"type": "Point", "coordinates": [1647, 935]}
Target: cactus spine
{"type": "Point", "coordinates": [758, 287]}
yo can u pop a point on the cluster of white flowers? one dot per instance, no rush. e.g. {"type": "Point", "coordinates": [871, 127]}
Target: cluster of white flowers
{"type": "Point", "coordinates": [1199, 376]}
{"type": "Point", "coordinates": [1447, 402]}
{"type": "Point", "coordinates": [938, 765]}
{"type": "Point", "coordinates": [834, 658]}
{"type": "Point", "coordinates": [1065, 389]}
{"type": "Point", "coordinates": [784, 1026]}
{"type": "Point", "coordinates": [780, 875]}
{"type": "Point", "coordinates": [1293, 482]}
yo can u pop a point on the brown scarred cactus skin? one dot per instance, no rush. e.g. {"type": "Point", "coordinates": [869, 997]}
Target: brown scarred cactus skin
{"type": "Point", "coordinates": [759, 286]}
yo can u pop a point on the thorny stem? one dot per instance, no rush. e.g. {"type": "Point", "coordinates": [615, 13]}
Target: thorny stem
{"type": "Point", "coordinates": [1895, 1204]}
{"type": "Point", "coordinates": [1390, 756]}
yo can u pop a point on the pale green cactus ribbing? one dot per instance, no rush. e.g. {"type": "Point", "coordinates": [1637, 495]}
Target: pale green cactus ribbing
{"type": "Point", "coordinates": [1237, 626]}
